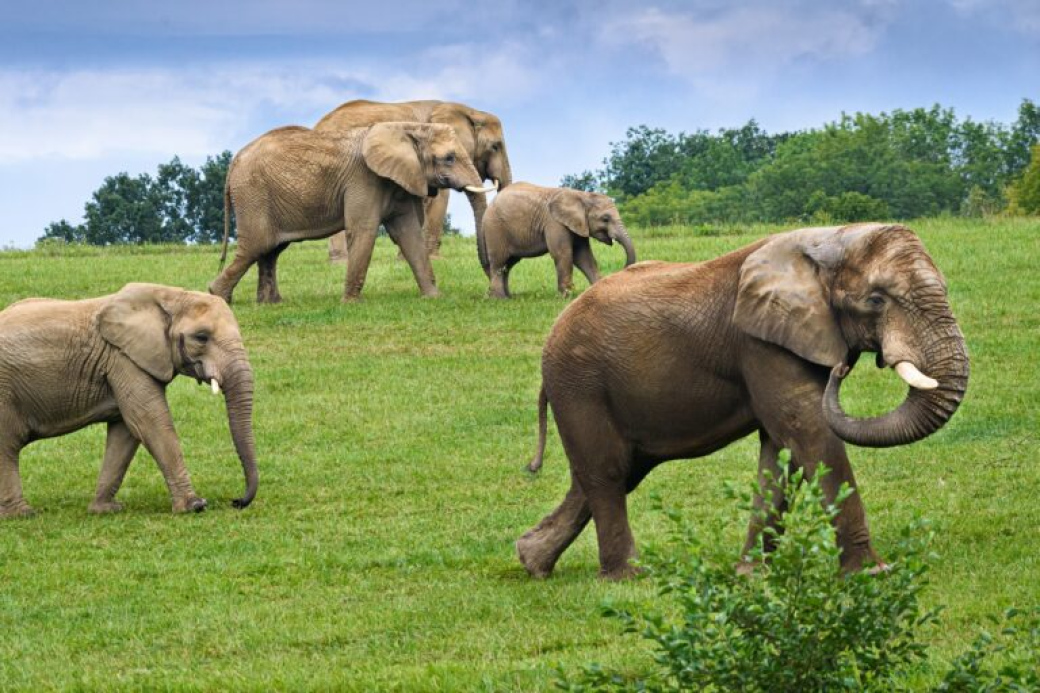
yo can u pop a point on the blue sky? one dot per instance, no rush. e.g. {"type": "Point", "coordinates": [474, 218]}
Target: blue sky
{"type": "Point", "coordinates": [89, 89]}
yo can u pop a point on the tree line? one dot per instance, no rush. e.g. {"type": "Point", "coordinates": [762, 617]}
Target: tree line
{"type": "Point", "coordinates": [179, 204]}
{"type": "Point", "coordinates": [897, 165]}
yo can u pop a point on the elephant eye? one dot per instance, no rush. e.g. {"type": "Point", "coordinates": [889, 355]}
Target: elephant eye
{"type": "Point", "coordinates": [876, 301]}
{"type": "Point", "coordinates": [496, 146]}
{"type": "Point", "coordinates": [450, 159]}
{"type": "Point", "coordinates": [201, 337]}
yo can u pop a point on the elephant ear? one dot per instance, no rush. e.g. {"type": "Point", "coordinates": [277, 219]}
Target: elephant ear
{"type": "Point", "coordinates": [466, 122]}
{"type": "Point", "coordinates": [783, 295]}
{"type": "Point", "coordinates": [568, 208]}
{"type": "Point", "coordinates": [135, 322]}
{"type": "Point", "coordinates": [391, 150]}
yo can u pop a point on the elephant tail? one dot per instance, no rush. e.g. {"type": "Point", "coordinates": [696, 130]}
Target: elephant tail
{"type": "Point", "coordinates": [536, 461]}
{"type": "Point", "coordinates": [227, 216]}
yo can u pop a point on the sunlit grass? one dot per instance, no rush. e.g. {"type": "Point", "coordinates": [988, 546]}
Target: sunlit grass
{"type": "Point", "coordinates": [392, 435]}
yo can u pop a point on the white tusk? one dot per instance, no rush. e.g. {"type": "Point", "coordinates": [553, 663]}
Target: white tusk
{"type": "Point", "coordinates": [915, 378]}
{"type": "Point", "coordinates": [496, 185]}
{"type": "Point", "coordinates": [480, 189]}
{"type": "Point", "coordinates": [213, 384]}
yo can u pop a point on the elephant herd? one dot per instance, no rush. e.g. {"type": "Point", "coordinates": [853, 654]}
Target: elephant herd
{"type": "Point", "coordinates": [657, 362]}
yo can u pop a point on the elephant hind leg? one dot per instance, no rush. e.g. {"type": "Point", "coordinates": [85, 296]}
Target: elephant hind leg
{"type": "Point", "coordinates": [120, 448]}
{"type": "Point", "coordinates": [541, 547]}
{"type": "Point", "coordinates": [267, 282]}
{"type": "Point", "coordinates": [604, 465]}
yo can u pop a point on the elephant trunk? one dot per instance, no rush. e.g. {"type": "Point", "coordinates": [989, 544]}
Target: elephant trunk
{"type": "Point", "coordinates": [479, 203]}
{"type": "Point", "coordinates": [238, 397]}
{"type": "Point", "coordinates": [924, 411]}
{"type": "Point", "coordinates": [622, 237]}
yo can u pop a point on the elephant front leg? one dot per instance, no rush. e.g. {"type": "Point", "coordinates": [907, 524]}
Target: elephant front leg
{"type": "Point", "coordinates": [769, 503]}
{"type": "Point", "coordinates": [12, 502]}
{"type": "Point", "coordinates": [586, 261]}
{"type": "Point", "coordinates": [338, 247]}
{"type": "Point", "coordinates": [564, 260]}
{"type": "Point", "coordinates": [142, 403]}
{"type": "Point", "coordinates": [120, 448]}
{"type": "Point", "coordinates": [433, 226]}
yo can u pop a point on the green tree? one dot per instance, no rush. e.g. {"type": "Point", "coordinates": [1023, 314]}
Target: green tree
{"type": "Point", "coordinates": [179, 205]}
{"type": "Point", "coordinates": [1025, 193]}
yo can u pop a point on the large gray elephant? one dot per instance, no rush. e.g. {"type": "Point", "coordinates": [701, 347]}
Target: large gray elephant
{"type": "Point", "coordinates": [480, 133]}
{"type": "Point", "coordinates": [67, 364]}
{"type": "Point", "coordinates": [529, 220]}
{"type": "Point", "coordinates": [293, 184]}
{"type": "Point", "coordinates": [664, 361]}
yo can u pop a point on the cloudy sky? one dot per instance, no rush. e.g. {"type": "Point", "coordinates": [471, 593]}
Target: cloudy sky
{"type": "Point", "coordinates": [89, 89]}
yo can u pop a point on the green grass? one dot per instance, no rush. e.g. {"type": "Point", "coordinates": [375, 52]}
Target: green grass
{"type": "Point", "coordinates": [392, 435]}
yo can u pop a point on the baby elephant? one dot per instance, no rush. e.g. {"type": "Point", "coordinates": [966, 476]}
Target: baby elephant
{"type": "Point", "coordinates": [67, 364]}
{"type": "Point", "coordinates": [528, 220]}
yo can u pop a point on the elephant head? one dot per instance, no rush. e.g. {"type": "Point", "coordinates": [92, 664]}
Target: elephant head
{"type": "Point", "coordinates": [592, 214]}
{"type": "Point", "coordinates": [481, 135]}
{"type": "Point", "coordinates": [828, 294]}
{"type": "Point", "coordinates": [421, 158]}
{"type": "Point", "coordinates": [166, 331]}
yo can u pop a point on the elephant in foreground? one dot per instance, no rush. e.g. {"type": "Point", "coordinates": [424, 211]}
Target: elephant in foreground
{"type": "Point", "coordinates": [67, 364]}
{"type": "Point", "coordinates": [293, 184]}
{"type": "Point", "coordinates": [665, 361]}
{"type": "Point", "coordinates": [528, 220]}
{"type": "Point", "coordinates": [479, 132]}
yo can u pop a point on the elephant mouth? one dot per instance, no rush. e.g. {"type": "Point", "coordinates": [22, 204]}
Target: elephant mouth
{"type": "Point", "coordinates": [431, 191]}
{"type": "Point", "coordinates": [196, 369]}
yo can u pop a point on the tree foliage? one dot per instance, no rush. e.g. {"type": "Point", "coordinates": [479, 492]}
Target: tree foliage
{"type": "Point", "coordinates": [179, 204]}
{"type": "Point", "coordinates": [898, 165]}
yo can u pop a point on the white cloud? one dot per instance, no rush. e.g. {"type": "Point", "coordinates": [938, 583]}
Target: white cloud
{"type": "Point", "coordinates": [194, 111]}
{"type": "Point", "coordinates": [752, 42]}
{"type": "Point", "coordinates": [1024, 15]}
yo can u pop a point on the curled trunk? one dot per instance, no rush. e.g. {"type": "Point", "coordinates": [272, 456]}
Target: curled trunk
{"type": "Point", "coordinates": [922, 413]}
{"type": "Point", "coordinates": [238, 397]}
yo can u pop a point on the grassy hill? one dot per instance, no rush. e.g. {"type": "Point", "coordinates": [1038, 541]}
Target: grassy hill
{"type": "Point", "coordinates": [392, 435]}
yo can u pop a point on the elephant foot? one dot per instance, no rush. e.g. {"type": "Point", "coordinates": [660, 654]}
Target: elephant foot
{"type": "Point", "coordinates": [191, 504]}
{"type": "Point", "coordinates": [538, 562]}
{"type": "Point", "coordinates": [275, 298]}
{"type": "Point", "coordinates": [105, 507]}
{"type": "Point", "coordinates": [351, 298]}
{"type": "Point", "coordinates": [856, 558]}
{"type": "Point", "coordinates": [18, 508]}
{"type": "Point", "coordinates": [432, 293]}
{"type": "Point", "coordinates": [625, 571]}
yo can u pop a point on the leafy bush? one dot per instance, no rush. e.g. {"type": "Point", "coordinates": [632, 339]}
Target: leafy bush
{"type": "Point", "coordinates": [794, 625]}
{"type": "Point", "coordinates": [1017, 643]}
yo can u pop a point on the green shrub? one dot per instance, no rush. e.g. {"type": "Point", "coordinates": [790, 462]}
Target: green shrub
{"type": "Point", "coordinates": [1016, 645]}
{"type": "Point", "coordinates": [794, 625]}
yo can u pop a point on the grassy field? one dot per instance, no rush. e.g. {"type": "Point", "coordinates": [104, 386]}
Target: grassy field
{"type": "Point", "coordinates": [392, 435]}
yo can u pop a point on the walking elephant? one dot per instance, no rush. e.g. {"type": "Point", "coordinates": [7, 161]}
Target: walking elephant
{"type": "Point", "coordinates": [67, 364]}
{"type": "Point", "coordinates": [481, 136]}
{"type": "Point", "coordinates": [664, 361]}
{"type": "Point", "coordinates": [528, 220]}
{"type": "Point", "coordinates": [293, 184]}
